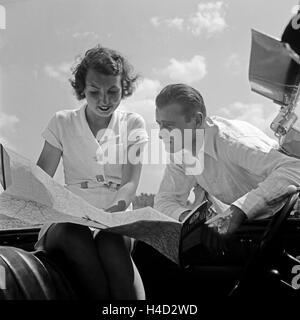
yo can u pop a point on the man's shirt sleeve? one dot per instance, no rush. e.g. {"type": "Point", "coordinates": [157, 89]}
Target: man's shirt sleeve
{"type": "Point", "coordinates": [277, 169]}
{"type": "Point", "coordinates": [174, 191]}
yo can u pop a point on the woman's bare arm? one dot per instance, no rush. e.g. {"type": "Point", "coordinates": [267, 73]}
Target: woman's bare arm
{"type": "Point", "coordinates": [126, 193]}
{"type": "Point", "coordinates": [130, 179]}
{"type": "Point", "coordinates": [49, 159]}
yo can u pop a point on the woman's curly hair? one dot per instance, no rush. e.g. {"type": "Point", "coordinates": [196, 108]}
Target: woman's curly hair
{"type": "Point", "coordinates": [105, 61]}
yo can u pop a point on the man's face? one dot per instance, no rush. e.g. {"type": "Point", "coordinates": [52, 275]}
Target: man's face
{"type": "Point", "coordinates": [175, 129]}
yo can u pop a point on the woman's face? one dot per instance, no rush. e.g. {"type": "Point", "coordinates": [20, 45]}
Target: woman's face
{"type": "Point", "coordinates": [103, 93]}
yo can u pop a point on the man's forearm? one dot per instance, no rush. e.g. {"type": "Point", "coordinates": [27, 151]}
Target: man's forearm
{"type": "Point", "coordinates": [169, 207]}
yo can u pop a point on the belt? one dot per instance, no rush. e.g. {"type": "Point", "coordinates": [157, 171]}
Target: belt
{"type": "Point", "coordinates": [99, 181]}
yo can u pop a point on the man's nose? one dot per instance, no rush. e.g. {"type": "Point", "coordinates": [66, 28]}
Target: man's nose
{"type": "Point", "coordinates": [160, 135]}
{"type": "Point", "coordinates": [164, 134]}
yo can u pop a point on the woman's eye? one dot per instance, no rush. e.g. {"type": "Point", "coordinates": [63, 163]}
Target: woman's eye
{"type": "Point", "coordinates": [93, 92]}
{"type": "Point", "coordinates": [114, 92]}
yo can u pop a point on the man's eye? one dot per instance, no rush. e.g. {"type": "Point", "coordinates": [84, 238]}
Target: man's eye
{"type": "Point", "coordinates": [168, 128]}
{"type": "Point", "coordinates": [93, 92]}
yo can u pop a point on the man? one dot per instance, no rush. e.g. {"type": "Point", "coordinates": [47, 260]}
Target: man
{"type": "Point", "coordinates": [227, 160]}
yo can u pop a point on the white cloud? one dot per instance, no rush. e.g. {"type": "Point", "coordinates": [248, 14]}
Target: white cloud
{"type": "Point", "coordinates": [88, 34]}
{"type": "Point", "coordinates": [146, 108]}
{"type": "Point", "coordinates": [186, 71]}
{"type": "Point", "coordinates": [156, 22]}
{"type": "Point", "coordinates": [7, 128]}
{"type": "Point", "coordinates": [176, 23]}
{"type": "Point", "coordinates": [7, 122]}
{"type": "Point", "coordinates": [2, 17]}
{"type": "Point", "coordinates": [234, 63]}
{"type": "Point", "coordinates": [60, 72]}
{"type": "Point", "coordinates": [143, 100]}
{"type": "Point", "coordinates": [209, 18]}
{"type": "Point", "coordinates": [295, 9]}
{"type": "Point", "coordinates": [257, 114]}
{"type": "Point", "coordinates": [147, 89]}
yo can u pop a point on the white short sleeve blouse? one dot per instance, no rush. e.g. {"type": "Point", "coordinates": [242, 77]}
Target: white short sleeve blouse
{"type": "Point", "coordinates": [93, 165]}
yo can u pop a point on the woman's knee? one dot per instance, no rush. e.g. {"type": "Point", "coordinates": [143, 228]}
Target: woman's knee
{"type": "Point", "coordinates": [108, 241]}
{"type": "Point", "coordinates": [65, 235]}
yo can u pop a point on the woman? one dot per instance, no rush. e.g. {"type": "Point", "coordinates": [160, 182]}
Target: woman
{"type": "Point", "coordinates": [100, 261]}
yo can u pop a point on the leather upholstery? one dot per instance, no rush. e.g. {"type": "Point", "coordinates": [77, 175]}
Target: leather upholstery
{"type": "Point", "coordinates": [32, 276]}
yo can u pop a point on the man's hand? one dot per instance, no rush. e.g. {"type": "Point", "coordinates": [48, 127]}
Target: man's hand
{"type": "Point", "coordinates": [229, 221]}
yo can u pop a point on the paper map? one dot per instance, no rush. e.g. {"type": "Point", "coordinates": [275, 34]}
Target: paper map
{"type": "Point", "coordinates": [33, 197]}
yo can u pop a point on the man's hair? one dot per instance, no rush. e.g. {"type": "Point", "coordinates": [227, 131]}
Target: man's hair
{"type": "Point", "coordinates": [107, 62]}
{"type": "Point", "coordinates": [189, 98]}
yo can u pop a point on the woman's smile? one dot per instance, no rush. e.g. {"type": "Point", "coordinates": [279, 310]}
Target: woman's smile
{"type": "Point", "coordinates": [104, 108]}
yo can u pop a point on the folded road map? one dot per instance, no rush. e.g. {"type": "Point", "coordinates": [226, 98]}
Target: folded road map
{"type": "Point", "coordinates": [32, 196]}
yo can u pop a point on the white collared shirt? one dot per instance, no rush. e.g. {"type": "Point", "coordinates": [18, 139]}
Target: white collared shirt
{"type": "Point", "coordinates": [68, 130]}
{"type": "Point", "coordinates": [241, 166]}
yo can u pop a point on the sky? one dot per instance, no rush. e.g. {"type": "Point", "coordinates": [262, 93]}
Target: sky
{"type": "Point", "coordinates": [203, 43]}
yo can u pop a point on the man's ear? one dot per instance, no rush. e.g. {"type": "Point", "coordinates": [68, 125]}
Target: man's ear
{"type": "Point", "coordinates": [199, 119]}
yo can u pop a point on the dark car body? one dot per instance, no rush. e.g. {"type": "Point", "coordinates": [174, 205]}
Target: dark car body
{"type": "Point", "coordinates": [261, 258]}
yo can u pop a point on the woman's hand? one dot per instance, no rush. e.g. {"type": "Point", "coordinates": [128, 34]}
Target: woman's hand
{"type": "Point", "coordinates": [121, 206]}
{"type": "Point", "coordinates": [130, 179]}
